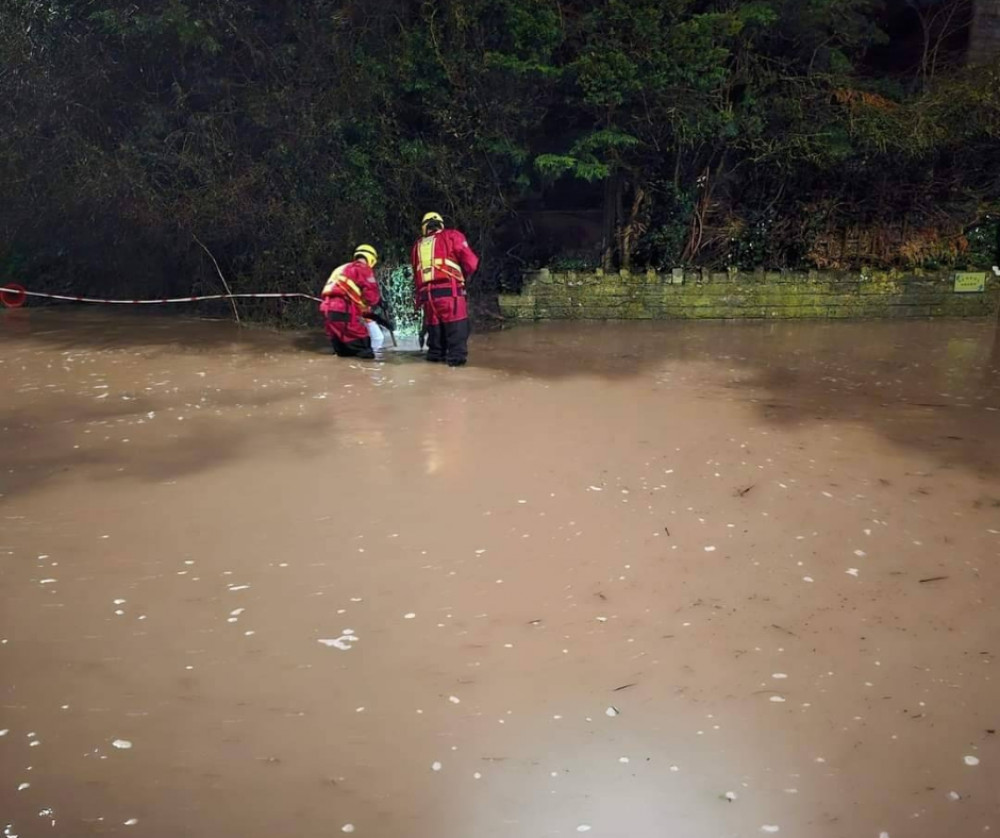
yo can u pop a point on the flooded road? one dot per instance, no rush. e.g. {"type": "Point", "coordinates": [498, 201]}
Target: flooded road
{"type": "Point", "coordinates": [664, 580]}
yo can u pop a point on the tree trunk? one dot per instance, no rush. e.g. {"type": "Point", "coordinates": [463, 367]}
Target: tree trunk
{"type": "Point", "coordinates": [631, 231]}
{"type": "Point", "coordinates": [612, 200]}
{"type": "Point", "coordinates": [984, 41]}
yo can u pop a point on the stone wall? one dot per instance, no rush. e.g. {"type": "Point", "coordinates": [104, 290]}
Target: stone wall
{"type": "Point", "coordinates": [733, 295]}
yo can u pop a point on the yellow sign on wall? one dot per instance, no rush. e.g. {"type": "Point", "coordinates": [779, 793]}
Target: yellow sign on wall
{"type": "Point", "coordinates": [970, 283]}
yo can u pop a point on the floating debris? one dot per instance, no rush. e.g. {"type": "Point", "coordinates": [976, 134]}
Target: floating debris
{"type": "Point", "coordinates": [344, 642]}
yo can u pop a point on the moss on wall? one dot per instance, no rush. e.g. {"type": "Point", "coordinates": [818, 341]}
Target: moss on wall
{"type": "Point", "coordinates": [758, 295]}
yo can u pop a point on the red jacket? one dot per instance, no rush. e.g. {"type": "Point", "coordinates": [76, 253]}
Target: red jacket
{"type": "Point", "coordinates": [350, 286]}
{"type": "Point", "coordinates": [442, 258]}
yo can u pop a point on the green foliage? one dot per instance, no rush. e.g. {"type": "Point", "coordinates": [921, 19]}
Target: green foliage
{"type": "Point", "coordinates": [984, 241]}
{"type": "Point", "coordinates": [282, 134]}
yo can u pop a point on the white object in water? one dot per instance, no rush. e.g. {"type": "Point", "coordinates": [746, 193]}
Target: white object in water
{"type": "Point", "coordinates": [376, 334]}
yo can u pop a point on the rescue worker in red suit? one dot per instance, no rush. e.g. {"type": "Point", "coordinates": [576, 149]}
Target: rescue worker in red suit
{"type": "Point", "coordinates": [442, 264]}
{"type": "Point", "coordinates": [349, 296]}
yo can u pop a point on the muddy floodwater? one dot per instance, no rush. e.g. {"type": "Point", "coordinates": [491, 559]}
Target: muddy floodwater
{"type": "Point", "coordinates": [642, 581]}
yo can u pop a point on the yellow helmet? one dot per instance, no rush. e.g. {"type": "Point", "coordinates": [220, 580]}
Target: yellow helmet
{"type": "Point", "coordinates": [368, 253]}
{"type": "Point", "coordinates": [428, 218]}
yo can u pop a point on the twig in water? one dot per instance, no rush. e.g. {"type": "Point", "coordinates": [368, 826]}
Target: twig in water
{"type": "Point", "coordinates": [932, 579]}
{"type": "Point", "coordinates": [225, 284]}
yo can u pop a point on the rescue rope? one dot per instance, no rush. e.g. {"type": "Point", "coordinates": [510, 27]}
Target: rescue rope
{"type": "Point", "coordinates": [14, 296]}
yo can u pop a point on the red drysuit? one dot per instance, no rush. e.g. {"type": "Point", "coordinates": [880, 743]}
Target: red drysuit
{"type": "Point", "coordinates": [349, 294]}
{"type": "Point", "coordinates": [442, 262]}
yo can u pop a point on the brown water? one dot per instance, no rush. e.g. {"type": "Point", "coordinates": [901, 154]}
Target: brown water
{"type": "Point", "coordinates": [592, 583]}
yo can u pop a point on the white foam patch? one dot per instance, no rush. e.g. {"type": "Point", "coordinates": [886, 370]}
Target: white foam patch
{"type": "Point", "coordinates": [122, 744]}
{"type": "Point", "coordinates": [347, 827]}
{"type": "Point", "coordinates": [971, 760]}
{"type": "Point", "coordinates": [436, 766]}
{"type": "Point", "coordinates": [770, 827]}
{"type": "Point", "coordinates": [584, 827]}
{"type": "Point", "coordinates": [611, 712]}
{"type": "Point", "coordinates": [344, 642]}
{"type": "Point", "coordinates": [131, 822]}
{"type": "Point", "coordinates": [852, 571]}
{"type": "Point", "coordinates": [410, 616]}
{"type": "Point", "coordinates": [454, 699]}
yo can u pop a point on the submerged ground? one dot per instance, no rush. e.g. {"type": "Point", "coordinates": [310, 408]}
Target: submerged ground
{"type": "Point", "coordinates": [658, 580]}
